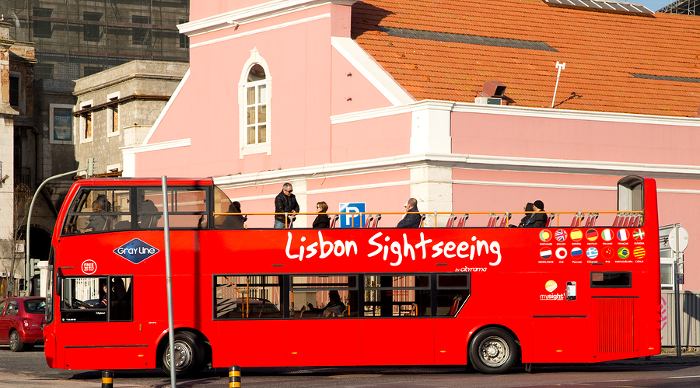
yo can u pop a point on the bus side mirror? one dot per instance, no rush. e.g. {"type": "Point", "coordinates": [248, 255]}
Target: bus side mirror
{"type": "Point", "coordinates": [59, 286]}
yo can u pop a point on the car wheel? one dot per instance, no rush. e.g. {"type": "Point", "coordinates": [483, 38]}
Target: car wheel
{"type": "Point", "coordinates": [16, 344]}
{"type": "Point", "coordinates": [493, 350]}
{"type": "Point", "coordinates": [188, 354]}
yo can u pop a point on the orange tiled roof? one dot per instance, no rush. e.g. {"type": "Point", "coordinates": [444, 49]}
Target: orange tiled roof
{"type": "Point", "coordinates": [612, 60]}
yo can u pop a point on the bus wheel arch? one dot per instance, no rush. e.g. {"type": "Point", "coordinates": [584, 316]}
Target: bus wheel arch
{"type": "Point", "coordinates": [493, 349]}
{"type": "Point", "coordinates": [192, 348]}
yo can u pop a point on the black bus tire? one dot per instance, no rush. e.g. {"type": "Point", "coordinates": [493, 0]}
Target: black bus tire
{"type": "Point", "coordinates": [493, 350]}
{"type": "Point", "coordinates": [189, 354]}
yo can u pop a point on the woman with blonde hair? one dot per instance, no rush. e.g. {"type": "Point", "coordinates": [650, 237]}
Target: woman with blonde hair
{"type": "Point", "coordinates": [322, 220]}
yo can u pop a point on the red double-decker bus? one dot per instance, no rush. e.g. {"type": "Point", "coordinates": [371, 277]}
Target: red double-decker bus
{"type": "Point", "coordinates": [491, 296]}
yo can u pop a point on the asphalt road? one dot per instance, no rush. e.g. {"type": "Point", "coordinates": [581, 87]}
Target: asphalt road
{"type": "Point", "coordinates": [29, 369]}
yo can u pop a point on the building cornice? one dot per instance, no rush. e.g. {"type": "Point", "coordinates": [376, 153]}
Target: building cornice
{"type": "Point", "coordinates": [251, 14]}
{"type": "Point", "coordinates": [462, 161]}
{"type": "Point", "coordinates": [460, 107]}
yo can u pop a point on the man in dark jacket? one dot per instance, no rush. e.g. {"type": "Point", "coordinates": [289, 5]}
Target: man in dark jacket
{"type": "Point", "coordinates": [412, 218]}
{"type": "Point", "coordinates": [539, 217]}
{"type": "Point", "coordinates": [285, 202]}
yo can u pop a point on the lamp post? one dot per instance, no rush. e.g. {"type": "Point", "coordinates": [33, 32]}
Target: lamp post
{"type": "Point", "coordinates": [27, 263]}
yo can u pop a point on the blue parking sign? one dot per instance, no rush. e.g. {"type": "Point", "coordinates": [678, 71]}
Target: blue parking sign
{"type": "Point", "coordinates": [352, 215]}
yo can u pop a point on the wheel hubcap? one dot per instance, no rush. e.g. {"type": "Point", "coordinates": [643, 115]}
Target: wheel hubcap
{"type": "Point", "coordinates": [14, 339]}
{"type": "Point", "coordinates": [494, 351]}
{"type": "Point", "coordinates": [183, 355]}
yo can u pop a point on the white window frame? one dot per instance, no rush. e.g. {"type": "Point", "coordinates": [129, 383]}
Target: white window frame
{"type": "Point", "coordinates": [51, 124]}
{"type": "Point", "coordinates": [258, 148]}
{"type": "Point", "coordinates": [111, 132]}
{"type": "Point", "coordinates": [82, 123]}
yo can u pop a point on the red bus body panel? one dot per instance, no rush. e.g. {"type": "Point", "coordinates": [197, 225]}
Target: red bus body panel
{"type": "Point", "coordinates": [511, 287]}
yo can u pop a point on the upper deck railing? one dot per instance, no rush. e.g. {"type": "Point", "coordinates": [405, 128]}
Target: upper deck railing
{"type": "Point", "coordinates": [490, 219]}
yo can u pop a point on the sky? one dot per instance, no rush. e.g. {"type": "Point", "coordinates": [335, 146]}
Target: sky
{"type": "Point", "coordinates": [652, 4]}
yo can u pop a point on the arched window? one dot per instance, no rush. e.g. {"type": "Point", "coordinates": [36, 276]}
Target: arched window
{"type": "Point", "coordinates": [254, 102]}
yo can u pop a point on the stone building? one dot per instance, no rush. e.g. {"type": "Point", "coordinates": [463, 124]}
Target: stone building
{"type": "Point", "coordinates": [16, 108]}
{"type": "Point", "coordinates": [117, 107]}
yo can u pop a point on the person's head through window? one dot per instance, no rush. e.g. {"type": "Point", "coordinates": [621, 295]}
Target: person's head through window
{"type": "Point", "coordinates": [411, 204]}
{"type": "Point", "coordinates": [321, 207]}
{"type": "Point", "coordinates": [529, 207]}
{"type": "Point", "coordinates": [100, 204]}
{"type": "Point", "coordinates": [334, 297]}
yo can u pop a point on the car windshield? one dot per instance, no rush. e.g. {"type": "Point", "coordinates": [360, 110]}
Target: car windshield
{"type": "Point", "coordinates": [35, 306]}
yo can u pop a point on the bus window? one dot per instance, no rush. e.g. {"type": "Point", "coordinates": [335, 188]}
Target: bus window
{"type": "Point", "coordinates": [98, 210]}
{"type": "Point", "coordinates": [253, 296]}
{"type": "Point", "coordinates": [81, 299]}
{"type": "Point", "coordinates": [187, 208]}
{"type": "Point", "coordinates": [396, 296]}
{"type": "Point", "coordinates": [452, 292]}
{"type": "Point", "coordinates": [221, 205]}
{"type": "Point", "coordinates": [611, 279]}
{"type": "Point", "coordinates": [87, 299]}
{"type": "Point", "coordinates": [313, 296]}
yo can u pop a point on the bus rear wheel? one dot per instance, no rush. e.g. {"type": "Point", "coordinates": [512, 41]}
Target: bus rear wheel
{"type": "Point", "coordinates": [189, 354]}
{"type": "Point", "coordinates": [493, 350]}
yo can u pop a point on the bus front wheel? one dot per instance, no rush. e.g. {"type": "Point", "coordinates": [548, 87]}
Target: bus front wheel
{"type": "Point", "coordinates": [493, 350]}
{"type": "Point", "coordinates": [188, 354]}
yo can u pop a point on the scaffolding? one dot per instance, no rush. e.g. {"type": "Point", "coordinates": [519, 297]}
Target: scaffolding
{"type": "Point", "coordinates": [75, 38]}
{"type": "Point", "coordinates": [685, 7]}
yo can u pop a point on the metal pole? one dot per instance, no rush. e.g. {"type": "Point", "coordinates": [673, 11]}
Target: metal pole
{"type": "Point", "coordinates": [168, 282]}
{"type": "Point", "coordinates": [676, 293]}
{"type": "Point", "coordinates": [27, 270]}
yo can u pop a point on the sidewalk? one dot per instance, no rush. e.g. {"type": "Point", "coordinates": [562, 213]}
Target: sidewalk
{"type": "Point", "coordinates": [667, 356]}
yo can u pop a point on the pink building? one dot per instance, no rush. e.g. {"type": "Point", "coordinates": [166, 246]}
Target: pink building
{"type": "Point", "coordinates": [454, 103]}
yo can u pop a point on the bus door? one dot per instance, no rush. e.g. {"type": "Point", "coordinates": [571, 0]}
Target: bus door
{"type": "Point", "coordinates": [96, 313]}
{"type": "Point", "coordinates": [396, 312]}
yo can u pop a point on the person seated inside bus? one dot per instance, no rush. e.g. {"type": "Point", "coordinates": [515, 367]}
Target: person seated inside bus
{"type": "Point", "coordinates": [334, 308]}
{"type": "Point", "coordinates": [412, 219]}
{"type": "Point", "coordinates": [148, 214]}
{"type": "Point", "coordinates": [234, 221]}
{"type": "Point", "coordinates": [120, 300]}
{"type": "Point", "coordinates": [98, 220]}
{"type": "Point", "coordinates": [322, 220]}
{"type": "Point", "coordinates": [538, 219]}
{"type": "Point", "coordinates": [529, 208]}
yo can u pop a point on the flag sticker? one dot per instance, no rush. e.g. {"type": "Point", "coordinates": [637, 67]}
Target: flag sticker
{"type": "Point", "coordinates": [561, 253]}
{"type": "Point", "coordinates": [639, 252]}
{"type": "Point", "coordinates": [606, 235]}
{"type": "Point", "coordinates": [545, 235]}
{"type": "Point", "coordinates": [638, 235]}
{"type": "Point", "coordinates": [592, 252]}
{"type": "Point", "coordinates": [591, 235]}
{"type": "Point", "coordinates": [576, 251]}
{"type": "Point", "coordinates": [560, 235]}
{"type": "Point", "coordinates": [545, 253]}
{"type": "Point", "coordinates": [623, 253]}
{"type": "Point", "coordinates": [607, 252]}
{"type": "Point", "coordinates": [576, 235]}
{"type": "Point", "coordinates": [622, 235]}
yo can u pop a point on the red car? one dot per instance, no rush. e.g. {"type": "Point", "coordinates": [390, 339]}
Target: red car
{"type": "Point", "coordinates": [21, 322]}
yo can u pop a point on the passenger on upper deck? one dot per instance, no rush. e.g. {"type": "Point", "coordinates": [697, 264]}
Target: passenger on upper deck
{"type": "Point", "coordinates": [98, 221]}
{"type": "Point", "coordinates": [235, 221]}
{"type": "Point", "coordinates": [285, 202]}
{"type": "Point", "coordinates": [529, 207]}
{"type": "Point", "coordinates": [539, 217]}
{"type": "Point", "coordinates": [412, 218]}
{"type": "Point", "coordinates": [322, 220]}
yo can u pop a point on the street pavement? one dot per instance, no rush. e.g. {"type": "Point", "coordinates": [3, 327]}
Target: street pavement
{"type": "Point", "coordinates": [29, 369]}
